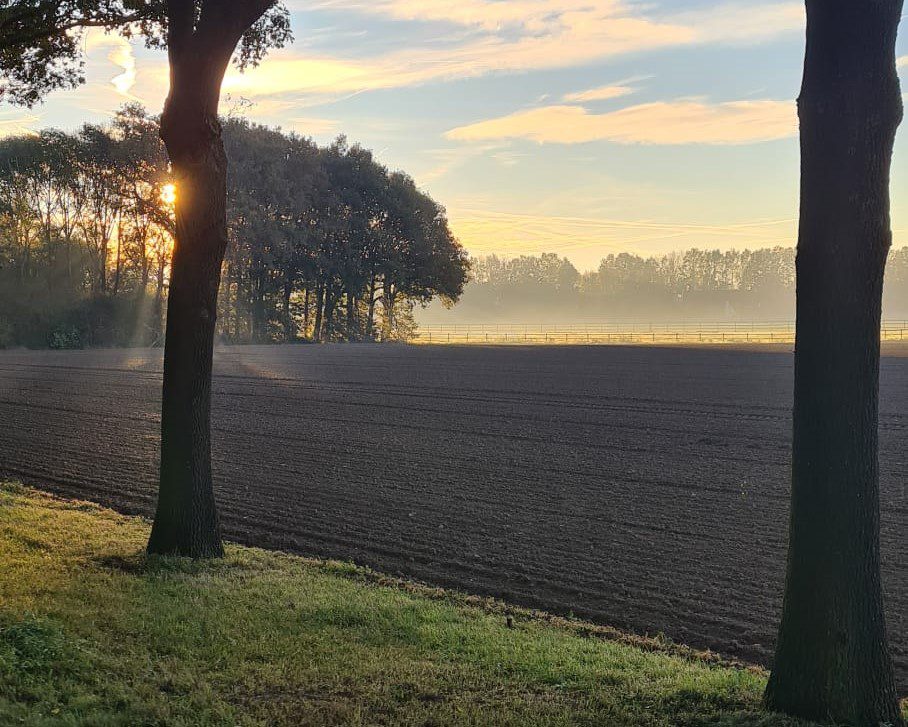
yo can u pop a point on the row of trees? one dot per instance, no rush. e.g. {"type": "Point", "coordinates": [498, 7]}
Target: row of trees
{"type": "Point", "coordinates": [694, 284]}
{"type": "Point", "coordinates": [327, 243]}
{"type": "Point", "coordinates": [324, 243]}
{"type": "Point", "coordinates": [85, 234]}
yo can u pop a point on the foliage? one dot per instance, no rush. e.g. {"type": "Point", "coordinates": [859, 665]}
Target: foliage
{"type": "Point", "coordinates": [323, 243]}
{"type": "Point", "coordinates": [42, 41]}
{"type": "Point", "coordinates": [92, 632]}
{"type": "Point", "coordinates": [84, 234]}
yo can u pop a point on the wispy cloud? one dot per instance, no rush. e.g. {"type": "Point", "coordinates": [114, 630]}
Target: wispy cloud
{"type": "Point", "coordinates": [310, 125]}
{"type": "Point", "coordinates": [663, 122]}
{"type": "Point", "coordinates": [18, 123]}
{"type": "Point", "coordinates": [744, 23]}
{"type": "Point", "coordinates": [725, 22]}
{"type": "Point", "coordinates": [601, 93]}
{"type": "Point", "coordinates": [587, 239]}
{"type": "Point", "coordinates": [513, 36]}
{"type": "Point", "coordinates": [120, 54]}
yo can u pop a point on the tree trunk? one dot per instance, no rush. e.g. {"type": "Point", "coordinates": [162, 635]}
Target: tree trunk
{"type": "Point", "coordinates": [289, 330]}
{"type": "Point", "coordinates": [119, 262]}
{"type": "Point", "coordinates": [186, 522]}
{"type": "Point", "coordinates": [352, 333]}
{"type": "Point", "coordinates": [831, 661]}
{"type": "Point", "coordinates": [330, 302]}
{"type": "Point", "coordinates": [319, 307]}
{"type": "Point", "coordinates": [306, 310]}
{"type": "Point", "coordinates": [159, 299]}
{"type": "Point", "coordinates": [370, 317]}
{"type": "Point", "coordinates": [388, 300]}
{"type": "Point", "coordinates": [102, 266]}
{"type": "Point", "coordinates": [260, 326]}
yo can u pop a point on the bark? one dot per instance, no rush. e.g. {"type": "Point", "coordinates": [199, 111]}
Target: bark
{"type": "Point", "coordinates": [186, 521]}
{"type": "Point", "coordinates": [328, 321]}
{"type": "Point", "coordinates": [259, 324]}
{"type": "Point", "coordinates": [370, 317]}
{"type": "Point", "coordinates": [319, 307]}
{"type": "Point", "coordinates": [119, 260]}
{"type": "Point", "coordinates": [306, 311]}
{"type": "Point", "coordinates": [289, 328]}
{"type": "Point", "coordinates": [352, 333]}
{"type": "Point", "coordinates": [388, 300]}
{"type": "Point", "coordinates": [159, 298]}
{"type": "Point", "coordinates": [832, 662]}
{"type": "Point", "coordinates": [102, 266]}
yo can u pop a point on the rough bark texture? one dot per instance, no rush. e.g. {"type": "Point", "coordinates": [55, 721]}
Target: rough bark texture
{"type": "Point", "coordinates": [186, 520]}
{"type": "Point", "coordinates": [832, 662]}
{"type": "Point", "coordinates": [199, 50]}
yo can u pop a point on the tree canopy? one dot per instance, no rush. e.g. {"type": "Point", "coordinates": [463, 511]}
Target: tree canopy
{"type": "Point", "coordinates": [323, 236]}
{"type": "Point", "coordinates": [41, 47]}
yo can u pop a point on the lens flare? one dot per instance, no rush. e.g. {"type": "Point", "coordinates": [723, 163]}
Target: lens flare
{"type": "Point", "coordinates": [169, 194]}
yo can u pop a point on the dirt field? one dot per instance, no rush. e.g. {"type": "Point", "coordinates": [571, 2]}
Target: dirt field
{"type": "Point", "coordinates": [643, 487]}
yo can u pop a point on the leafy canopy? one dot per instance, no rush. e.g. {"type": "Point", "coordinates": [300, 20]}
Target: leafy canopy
{"type": "Point", "coordinates": [41, 46]}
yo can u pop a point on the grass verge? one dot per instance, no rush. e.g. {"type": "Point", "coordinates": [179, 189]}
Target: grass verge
{"type": "Point", "coordinates": [94, 633]}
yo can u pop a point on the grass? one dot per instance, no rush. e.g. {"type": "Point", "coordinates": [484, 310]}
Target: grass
{"type": "Point", "coordinates": [94, 633]}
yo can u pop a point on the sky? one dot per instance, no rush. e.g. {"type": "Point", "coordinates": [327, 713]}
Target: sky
{"type": "Point", "coordinates": [580, 127]}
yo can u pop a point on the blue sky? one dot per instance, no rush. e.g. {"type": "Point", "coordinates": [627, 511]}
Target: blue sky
{"type": "Point", "coordinates": [581, 127]}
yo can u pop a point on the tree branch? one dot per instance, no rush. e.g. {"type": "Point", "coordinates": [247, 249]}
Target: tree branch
{"type": "Point", "coordinates": [13, 36]}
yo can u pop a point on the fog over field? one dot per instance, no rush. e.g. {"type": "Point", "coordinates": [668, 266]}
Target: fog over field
{"type": "Point", "coordinates": [694, 285]}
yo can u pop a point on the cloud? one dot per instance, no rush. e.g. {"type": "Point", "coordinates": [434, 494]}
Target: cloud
{"type": "Point", "coordinates": [18, 123]}
{"type": "Point", "coordinates": [310, 125]}
{"type": "Point", "coordinates": [445, 160]}
{"type": "Point", "coordinates": [602, 93]}
{"type": "Point", "coordinates": [512, 36]}
{"type": "Point", "coordinates": [744, 24]}
{"type": "Point", "coordinates": [663, 122]}
{"type": "Point", "coordinates": [902, 62]}
{"type": "Point", "coordinates": [120, 54]}
{"type": "Point", "coordinates": [730, 21]}
{"type": "Point", "coordinates": [574, 44]}
{"type": "Point", "coordinates": [587, 239]}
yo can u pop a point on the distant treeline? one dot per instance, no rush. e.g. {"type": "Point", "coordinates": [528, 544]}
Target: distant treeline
{"type": "Point", "coordinates": [704, 285]}
{"type": "Point", "coordinates": [324, 243]}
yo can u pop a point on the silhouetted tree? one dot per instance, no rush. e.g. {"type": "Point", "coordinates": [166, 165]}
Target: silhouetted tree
{"type": "Point", "coordinates": [40, 48]}
{"type": "Point", "coordinates": [832, 662]}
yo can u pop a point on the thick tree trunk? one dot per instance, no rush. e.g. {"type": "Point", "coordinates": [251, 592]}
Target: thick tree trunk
{"type": "Point", "coordinates": [186, 521]}
{"type": "Point", "coordinates": [831, 661]}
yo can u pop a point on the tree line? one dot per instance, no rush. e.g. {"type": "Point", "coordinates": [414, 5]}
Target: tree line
{"type": "Point", "coordinates": [323, 243]}
{"type": "Point", "coordinates": [695, 284]}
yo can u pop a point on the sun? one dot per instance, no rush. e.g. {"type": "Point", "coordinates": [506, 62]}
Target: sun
{"type": "Point", "coordinates": [169, 194]}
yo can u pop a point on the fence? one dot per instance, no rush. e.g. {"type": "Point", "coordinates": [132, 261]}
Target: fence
{"type": "Point", "coordinates": [616, 333]}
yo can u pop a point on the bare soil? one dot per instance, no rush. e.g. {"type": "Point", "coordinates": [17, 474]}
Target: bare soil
{"type": "Point", "coordinates": [645, 488]}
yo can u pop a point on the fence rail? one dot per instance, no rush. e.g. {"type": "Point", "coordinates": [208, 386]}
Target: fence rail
{"type": "Point", "coordinates": [605, 333]}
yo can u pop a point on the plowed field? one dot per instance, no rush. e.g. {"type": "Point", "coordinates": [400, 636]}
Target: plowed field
{"type": "Point", "coordinates": [646, 488]}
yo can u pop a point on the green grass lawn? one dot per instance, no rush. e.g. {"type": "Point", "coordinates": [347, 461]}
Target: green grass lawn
{"type": "Point", "coordinates": [94, 633]}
